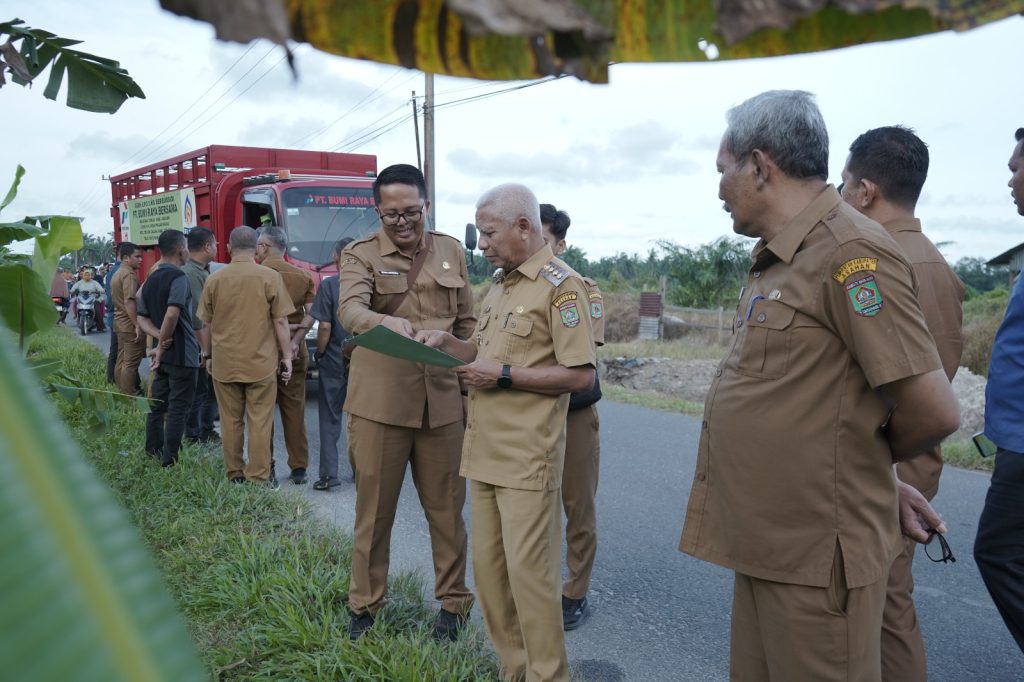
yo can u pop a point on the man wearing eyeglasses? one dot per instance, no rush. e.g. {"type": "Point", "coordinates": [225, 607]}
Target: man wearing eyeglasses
{"type": "Point", "coordinates": [832, 376]}
{"type": "Point", "coordinates": [999, 546]}
{"type": "Point", "coordinates": [402, 413]}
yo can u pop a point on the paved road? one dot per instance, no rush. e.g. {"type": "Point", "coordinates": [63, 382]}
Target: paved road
{"type": "Point", "coordinates": [659, 615]}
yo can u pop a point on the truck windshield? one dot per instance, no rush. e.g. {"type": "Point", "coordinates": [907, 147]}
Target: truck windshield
{"type": "Point", "coordinates": [317, 217]}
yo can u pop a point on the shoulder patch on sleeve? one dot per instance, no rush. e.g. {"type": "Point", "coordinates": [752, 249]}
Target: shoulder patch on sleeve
{"type": "Point", "coordinates": [554, 273]}
{"type": "Point", "coordinates": [854, 265]}
{"type": "Point", "coordinates": [566, 302]}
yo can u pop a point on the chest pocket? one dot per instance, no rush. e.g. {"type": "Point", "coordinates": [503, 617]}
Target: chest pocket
{"type": "Point", "coordinates": [447, 296]}
{"type": "Point", "coordinates": [516, 339]}
{"type": "Point", "coordinates": [766, 342]}
{"type": "Point", "coordinates": [386, 286]}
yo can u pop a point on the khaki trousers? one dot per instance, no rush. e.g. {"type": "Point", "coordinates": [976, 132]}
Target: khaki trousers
{"type": "Point", "coordinates": [129, 357]}
{"type": "Point", "coordinates": [291, 401]}
{"type": "Point", "coordinates": [240, 403]}
{"type": "Point", "coordinates": [786, 633]}
{"type": "Point", "coordinates": [379, 454]}
{"type": "Point", "coordinates": [903, 658]}
{"type": "Point", "coordinates": [579, 488]}
{"type": "Point", "coordinates": [516, 564]}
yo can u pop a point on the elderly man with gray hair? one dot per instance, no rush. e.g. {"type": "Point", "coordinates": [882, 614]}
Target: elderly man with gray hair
{"type": "Point", "coordinates": [832, 376]}
{"type": "Point", "coordinates": [532, 347]}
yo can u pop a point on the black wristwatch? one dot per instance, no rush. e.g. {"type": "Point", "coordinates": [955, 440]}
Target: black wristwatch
{"type": "Point", "coordinates": [505, 380]}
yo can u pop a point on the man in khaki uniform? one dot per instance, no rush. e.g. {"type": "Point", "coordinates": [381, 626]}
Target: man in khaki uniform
{"type": "Point", "coordinates": [131, 345]}
{"type": "Point", "coordinates": [291, 394]}
{"type": "Point", "coordinates": [245, 307]}
{"type": "Point", "coordinates": [832, 375]}
{"type": "Point", "coordinates": [883, 177]}
{"type": "Point", "coordinates": [582, 450]}
{"type": "Point", "coordinates": [532, 347]}
{"type": "Point", "coordinates": [401, 413]}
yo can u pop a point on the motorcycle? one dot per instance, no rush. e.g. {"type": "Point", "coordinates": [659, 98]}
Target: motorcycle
{"type": "Point", "coordinates": [61, 304]}
{"type": "Point", "coordinates": [86, 305]}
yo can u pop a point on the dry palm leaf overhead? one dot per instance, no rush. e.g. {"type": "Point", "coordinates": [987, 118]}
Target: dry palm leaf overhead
{"type": "Point", "coordinates": [522, 39]}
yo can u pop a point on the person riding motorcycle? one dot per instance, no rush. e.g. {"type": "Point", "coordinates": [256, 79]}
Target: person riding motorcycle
{"type": "Point", "coordinates": [87, 285]}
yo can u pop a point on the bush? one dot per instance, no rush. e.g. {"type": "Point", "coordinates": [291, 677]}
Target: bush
{"type": "Point", "coordinates": [262, 585]}
{"type": "Point", "coordinates": [982, 315]}
{"type": "Point", "coordinates": [621, 316]}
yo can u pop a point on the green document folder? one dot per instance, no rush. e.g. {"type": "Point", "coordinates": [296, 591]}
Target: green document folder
{"type": "Point", "coordinates": [383, 340]}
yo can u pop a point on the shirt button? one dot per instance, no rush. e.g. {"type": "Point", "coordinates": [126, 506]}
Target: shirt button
{"type": "Point", "coordinates": [757, 273]}
{"type": "Point", "coordinates": [718, 372]}
{"type": "Point", "coordinates": [761, 317]}
{"type": "Point", "coordinates": [701, 475]}
{"type": "Point", "coordinates": [704, 424]}
{"type": "Point", "coordinates": [739, 323]}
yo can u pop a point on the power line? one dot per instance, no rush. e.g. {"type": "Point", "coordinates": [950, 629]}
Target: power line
{"type": "Point", "coordinates": [359, 131]}
{"type": "Point", "coordinates": [374, 134]}
{"type": "Point", "coordinates": [365, 101]}
{"type": "Point", "coordinates": [189, 107]}
{"type": "Point", "coordinates": [182, 135]}
{"type": "Point", "coordinates": [486, 95]}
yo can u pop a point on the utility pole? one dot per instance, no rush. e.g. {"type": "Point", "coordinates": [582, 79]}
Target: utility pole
{"type": "Point", "coordinates": [416, 127]}
{"type": "Point", "coordinates": [428, 146]}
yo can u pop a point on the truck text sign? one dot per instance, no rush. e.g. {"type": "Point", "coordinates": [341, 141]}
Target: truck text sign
{"type": "Point", "coordinates": [143, 219]}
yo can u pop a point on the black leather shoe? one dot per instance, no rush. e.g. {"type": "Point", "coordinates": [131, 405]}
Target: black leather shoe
{"type": "Point", "coordinates": [298, 476]}
{"type": "Point", "coordinates": [574, 612]}
{"type": "Point", "coordinates": [448, 625]}
{"type": "Point", "coordinates": [238, 479]}
{"type": "Point", "coordinates": [326, 483]}
{"type": "Point", "coordinates": [361, 622]}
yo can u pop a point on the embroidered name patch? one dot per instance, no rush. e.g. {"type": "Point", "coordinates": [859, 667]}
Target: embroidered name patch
{"type": "Point", "coordinates": [852, 266]}
{"type": "Point", "coordinates": [864, 294]}
{"type": "Point", "coordinates": [567, 308]}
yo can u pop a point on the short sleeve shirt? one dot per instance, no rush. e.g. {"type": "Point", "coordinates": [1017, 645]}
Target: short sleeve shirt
{"type": "Point", "coordinates": [941, 294]}
{"type": "Point", "coordinates": [240, 303]}
{"type": "Point", "coordinates": [792, 456]}
{"type": "Point", "coordinates": [123, 288]}
{"type": "Point", "coordinates": [197, 274]}
{"type": "Point", "coordinates": [536, 316]}
{"type": "Point", "coordinates": [372, 272]}
{"type": "Point", "coordinates": [595, 308]}
{"type": "Point", "coordinates": [184, 348]}
{"type": "Point", "coordinates": [297, 282]}
{"type": "Point", "coordinates": [325, 309]}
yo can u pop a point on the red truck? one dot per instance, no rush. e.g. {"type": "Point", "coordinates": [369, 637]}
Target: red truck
{"type": "Point", "coordinates": [317, 197]}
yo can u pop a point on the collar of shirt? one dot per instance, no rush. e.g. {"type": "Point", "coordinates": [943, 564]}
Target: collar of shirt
{"type": "Point", "coordinates": [903, 225]}
{"type": "Point", "coordinates": [273, 259]}
{"type": "Point", "coordinates": [387, 247]}
{"type": "Point", "coordinates": [530, 268]}
{"type": "Point", "coordinates": [199, 265]}
{"type": "Point", "coordinates": [243, 259]}
{"type": "Point", "coordinates": [786, 243]}
{"type": "Point", "coordinates": [161, 266]}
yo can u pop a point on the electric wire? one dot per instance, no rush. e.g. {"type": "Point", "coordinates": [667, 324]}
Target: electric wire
{"type": "Point", "coordinates": [189, 107]}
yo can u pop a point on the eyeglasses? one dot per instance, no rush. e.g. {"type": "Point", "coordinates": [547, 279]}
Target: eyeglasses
{"type": "Point", "coordinates": [395, 218]}
{"type": "Point", "coordinates": [945, 554]}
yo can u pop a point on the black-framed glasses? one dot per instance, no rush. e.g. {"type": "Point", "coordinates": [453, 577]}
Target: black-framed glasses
{"type": "Point", "coordinates": [395, 218]}
{"type": "Point", "coordinates": [942, 553]}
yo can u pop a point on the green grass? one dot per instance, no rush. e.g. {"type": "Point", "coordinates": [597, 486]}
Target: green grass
{"type": "Point", "coordinates": [651, 399]}
{"type": "Point", "coordinates": [963, 454]}
{"type": "Point", "coordinates": [262, 584]}
{"type": "Point", "coordinates": [674, 350]}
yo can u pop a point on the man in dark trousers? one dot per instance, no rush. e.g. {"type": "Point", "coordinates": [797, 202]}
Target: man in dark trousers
{"type": "Point", "coordinates": [332, 369]}
{"type": "Point", "coordinates": [202, 248]}
{"type": "Point", "coordinates": [165, 313]}
{"type": "Point", "coordinates": [999, 547]}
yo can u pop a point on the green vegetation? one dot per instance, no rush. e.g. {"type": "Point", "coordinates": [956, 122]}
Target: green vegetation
{"type": "Point", "coordinates": [651, 399]}
{"type": "Point", "coordinates": [674, 350]}
{"type": "Point", "coordinates": [963, 454]}
{"type": "Point", "coordinates": [261, 583]}
{"type": "Point", "coordinates": [982, 315]}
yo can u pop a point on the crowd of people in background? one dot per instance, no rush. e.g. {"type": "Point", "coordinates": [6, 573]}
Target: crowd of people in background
{"type": "Point", "coordinates": [819, 450]}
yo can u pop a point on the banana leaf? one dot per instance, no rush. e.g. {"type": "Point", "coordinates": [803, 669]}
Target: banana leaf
{"type": "Point", "coordinates": [82, 598]}
{"type": "Point", "coordinates": [25, 306]}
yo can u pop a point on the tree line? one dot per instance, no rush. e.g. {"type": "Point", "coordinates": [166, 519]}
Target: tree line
{"type": "Point", "coordinates": [709, 275]}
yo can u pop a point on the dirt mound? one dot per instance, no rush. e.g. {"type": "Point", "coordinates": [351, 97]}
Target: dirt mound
{"type": "Point", "coordinates": [690, 380]}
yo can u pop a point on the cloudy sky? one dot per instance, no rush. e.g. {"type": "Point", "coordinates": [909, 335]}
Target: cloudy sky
{"type": "Point", "coordinates": [632, 162]}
